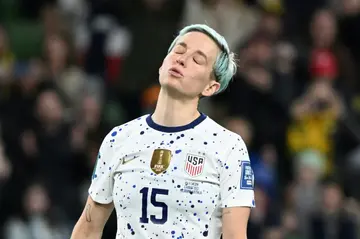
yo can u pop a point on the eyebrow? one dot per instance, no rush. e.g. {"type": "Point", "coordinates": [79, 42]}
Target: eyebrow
{"type": "Point", "coordinates": [183, 44]}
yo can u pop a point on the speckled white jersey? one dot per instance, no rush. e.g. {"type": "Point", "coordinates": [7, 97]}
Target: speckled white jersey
{"type": "Point", "coordinates": [172, 182]}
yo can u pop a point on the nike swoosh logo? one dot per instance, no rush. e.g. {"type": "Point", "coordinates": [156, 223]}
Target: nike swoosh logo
{"type": "Point", "coordinates": [129, 160]}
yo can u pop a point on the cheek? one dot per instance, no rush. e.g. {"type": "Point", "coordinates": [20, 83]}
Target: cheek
{"type": "Point", "coordinates": [196, 81]}
{"type": "Point", "coordinates": [166, 64]}
{"type": "Point", "coordinates": [198, 77]}
{"type": "Point", "coordinates": [168, 60]}
{"type": "Point", "coordinates": [192, 77]}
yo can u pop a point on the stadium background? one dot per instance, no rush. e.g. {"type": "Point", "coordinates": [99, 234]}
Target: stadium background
{"type": "Point", "coordinates": [71, 70]}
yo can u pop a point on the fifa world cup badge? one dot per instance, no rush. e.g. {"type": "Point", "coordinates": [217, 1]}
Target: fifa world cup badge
{"type": "Point", "coordinates": [247, 176]}
{"type": "Point", "coordinates": [160, 160]}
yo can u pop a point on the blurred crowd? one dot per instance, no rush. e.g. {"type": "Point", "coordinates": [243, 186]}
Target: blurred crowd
{"type": "Point", "coordinates": [72, 70]}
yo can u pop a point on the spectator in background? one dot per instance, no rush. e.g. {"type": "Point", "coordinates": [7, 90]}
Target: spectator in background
{"type": "Point", "coordinates": [231, 18]}
{"type": "Point", "coordinates": [68, 79]}
{"type": "Point", "coordinates": [90, 116]}
{"type": "Point", "coordinates": [304, 192]}
{"type": "Point", "coordinates": [52, 20]}
{"type": "Point", "coordinates": [315, 115]}
{"type": "Point", "coordinates": [290, 226]}
{"type": "Point", "coordinates": [37, 220]}
{"type": "Point", "coordinates": [266, 214]}
{"type": "Point", "coordinates": [254, 84]}
{"type": "Point", "coordinates": [52, 141]}
{"type": "Point", "coordinates": [324, 36]}
{"type": "Point", "coordinates": [86, 135]}
{"type": "Point", "coordinates": [332, 221]}
{"type": "Point", "coordinates": [266, 79]}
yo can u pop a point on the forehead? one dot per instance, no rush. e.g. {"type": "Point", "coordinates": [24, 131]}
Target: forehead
{"type": "Point", "coordinates": [199, 41]}
{"type": "Point", "coordinates": [324, 18]}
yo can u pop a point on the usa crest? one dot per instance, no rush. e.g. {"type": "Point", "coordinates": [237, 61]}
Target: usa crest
{"type": "Point", "coordinates": [194, 165]}
{"type": "Point", "coordinates": [160, 160]}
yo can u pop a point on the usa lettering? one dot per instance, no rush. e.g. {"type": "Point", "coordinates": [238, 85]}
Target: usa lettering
{"type": "Point", "coordinates": [194, 160]}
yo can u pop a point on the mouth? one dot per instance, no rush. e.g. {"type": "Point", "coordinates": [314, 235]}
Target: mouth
{"type": "Point", "coordinates": [175, 72]}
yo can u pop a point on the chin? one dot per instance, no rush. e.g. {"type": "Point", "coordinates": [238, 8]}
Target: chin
{"type": "Point", "coordinates": [170, 82]}
{"type": "Point", "coordinates": [172, 88]}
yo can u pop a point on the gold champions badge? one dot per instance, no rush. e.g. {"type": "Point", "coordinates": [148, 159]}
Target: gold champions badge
{"type": "Point", "coordinates": [160, 160]}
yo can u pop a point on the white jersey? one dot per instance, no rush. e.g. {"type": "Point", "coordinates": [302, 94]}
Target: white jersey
{"type": "Point", "coordinates": [172, 182]}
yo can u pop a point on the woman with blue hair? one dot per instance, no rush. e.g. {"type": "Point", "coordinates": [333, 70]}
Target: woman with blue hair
{"type": "Point", "coordinates": [224, 67]}
{"type": "Point", "coordinates": [175, 173]}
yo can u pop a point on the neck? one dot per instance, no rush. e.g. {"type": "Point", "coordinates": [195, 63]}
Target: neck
{"type": "Point", "coordinates": [172, 112]}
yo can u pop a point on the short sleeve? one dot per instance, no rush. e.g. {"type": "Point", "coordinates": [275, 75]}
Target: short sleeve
{"type": "Point", "coordinates": [237, 178]}
{"type": "Point", "coordinates": [102, 182]}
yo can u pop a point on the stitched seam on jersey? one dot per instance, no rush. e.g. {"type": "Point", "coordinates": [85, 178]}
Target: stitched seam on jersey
{"type": "Point", "coordinates": [221, 167]}
{"type": "Point", "coordinates": [226, 156]}
{"type": "Point", "coordinates": [127, 133]}
{"type": "Point", "coordinates": [121, 146]}
{"type": "Point", "coordinates": [111, 181]}
{"type": "Point", "coordinates": [228, 152]}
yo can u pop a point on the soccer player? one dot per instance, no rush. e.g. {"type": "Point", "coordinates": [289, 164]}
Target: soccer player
{"type": "Point", "coordinates": [175, 173]}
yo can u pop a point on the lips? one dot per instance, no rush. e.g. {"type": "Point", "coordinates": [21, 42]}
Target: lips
{"type": "Point", "coordinates": [175, 72]}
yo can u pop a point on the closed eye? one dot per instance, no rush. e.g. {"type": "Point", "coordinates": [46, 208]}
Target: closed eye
{"type": "Point", "coordinates": [198, 59]}
{"type": "Point", "coordinates": [179, 49]}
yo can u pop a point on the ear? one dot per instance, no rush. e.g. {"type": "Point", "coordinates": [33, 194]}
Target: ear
{"type": "Point", "coordinates": [160, 69]}
{"type": "Point", "coordinates": [211, 88]}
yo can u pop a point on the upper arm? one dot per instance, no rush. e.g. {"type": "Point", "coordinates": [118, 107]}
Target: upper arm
{"type": "Point", "coordinates": [99, 203]}
{"type": "Point", "coordinates": [235, 220]}
{"type": "Point", "coordinates": [92, 220]}
{"type": "Point", "coordinates": [237, 178]}
{"type": "Point", "coordinates": [237, 191]}
{"type": "Point", "coordinates": [96, 214]}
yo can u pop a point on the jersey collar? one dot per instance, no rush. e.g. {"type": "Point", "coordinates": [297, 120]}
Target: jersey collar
{"type": "Point", "coordinates": [175, 129]}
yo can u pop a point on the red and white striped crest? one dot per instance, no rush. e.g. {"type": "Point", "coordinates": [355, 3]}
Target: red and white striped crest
{"type": "Point", "coordinates": [194, 164]}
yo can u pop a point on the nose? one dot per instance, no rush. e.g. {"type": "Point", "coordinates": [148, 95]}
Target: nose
{"type": "Point", "coordinates": [181, 61]}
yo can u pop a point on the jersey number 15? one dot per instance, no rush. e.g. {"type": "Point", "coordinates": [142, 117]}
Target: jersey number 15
{"type": "Point", "coordinates": [144, 214]}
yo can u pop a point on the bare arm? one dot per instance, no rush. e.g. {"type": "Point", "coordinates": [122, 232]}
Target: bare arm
{"type": "Point", "coordinates": [235, 220]}
{"type": "Point", "coordinates": [92, 221]}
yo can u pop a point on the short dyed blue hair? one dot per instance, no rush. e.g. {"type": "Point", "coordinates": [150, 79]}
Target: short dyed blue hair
{"type": "Point", "coordinates": [225, 65]}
